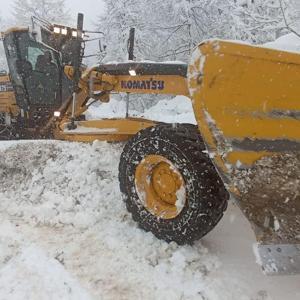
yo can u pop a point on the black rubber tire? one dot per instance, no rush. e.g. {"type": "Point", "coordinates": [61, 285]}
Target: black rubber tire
{"type": "Point", "coordinates": [207, 197]}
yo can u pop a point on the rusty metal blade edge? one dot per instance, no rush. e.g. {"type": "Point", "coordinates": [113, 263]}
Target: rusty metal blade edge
{"type": "Point", "coordinates": [279, 259]}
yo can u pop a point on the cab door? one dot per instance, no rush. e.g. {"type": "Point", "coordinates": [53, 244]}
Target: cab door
{"type": "Point", "coordinates": [44, 82]}
{"type": "Point", "coordinates": [13, 56]}
{"type": "Point", "coordinates": [35, 70]}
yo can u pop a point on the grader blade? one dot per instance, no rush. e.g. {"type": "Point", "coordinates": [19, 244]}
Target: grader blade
{"type": "Point", "coordinates": [279, 259]}
{"type": "Point", "coordinates": [247, 105]}
{"type": "Point", "coordinates": [270, 199]}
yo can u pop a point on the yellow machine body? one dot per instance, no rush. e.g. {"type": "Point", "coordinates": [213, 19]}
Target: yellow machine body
{"type": "Point", "coordinates": [246, 101]}
{"type": "Point", "coordinates": [7, 97]}
{"type": "Point", "coordinates": [110, 130]}
{"type": "Point", "coordinates": [99, 86]}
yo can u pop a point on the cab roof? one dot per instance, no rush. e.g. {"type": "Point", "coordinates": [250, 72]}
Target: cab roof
{"type": "Point", "coordinates": [14, 29]}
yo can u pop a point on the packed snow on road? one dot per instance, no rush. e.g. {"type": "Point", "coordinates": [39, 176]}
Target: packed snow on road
{"type": "Point", "coordinates": [65, 232]}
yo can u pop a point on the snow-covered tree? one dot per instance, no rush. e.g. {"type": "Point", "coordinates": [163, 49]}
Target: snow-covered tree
{"type": "Point", "coordinates": [296, 5]}
{"type": "Point", "coordinates": [169, 29]}
{"type": "Point", "coordinates": [164, 29]}
{"type": "Point", "coordinates": [259, 21]}
{"type": "Point", "coordinates": [194, 21]}
{"type": "Point", "coordinates": [3, 64]}
{"type": "Point", "coordinates": [120, 16]}
{"type": "Point", "coordinates": [50, 10]}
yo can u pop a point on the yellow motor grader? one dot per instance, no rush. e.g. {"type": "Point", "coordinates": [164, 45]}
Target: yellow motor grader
{"type": "Point", "coordinates": [176, 178]}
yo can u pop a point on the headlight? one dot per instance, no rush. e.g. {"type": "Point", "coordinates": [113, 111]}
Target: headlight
{"type": "Point", "coordinates": [57, 114]}
{"type": "Point", "coordinates": [64, 31]}
{"type": "Point", "coordinates": [56, 30]}
{"type": "Point", "coordinates": [132, 72]}
{"type": "Point", "coordinates": [74, 33]}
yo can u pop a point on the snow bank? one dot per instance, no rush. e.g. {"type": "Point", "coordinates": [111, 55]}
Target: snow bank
{"type": "Point", "coordinates": [51, 183]}
{"type": "Point", "coordinates": [33, 275]}
{"type": "Point", "coordinates": [176, 110]}
{"type": "Point", "coordinates": [73, 187]}
{"type": "Point", "coordinates": [113, 109]}
{"type": "Point", "coordinates": [289, 42]}
{"type": "Point", "coordinates": [64, 230]}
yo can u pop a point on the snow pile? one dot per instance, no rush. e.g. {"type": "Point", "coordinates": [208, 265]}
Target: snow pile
{"type": "Point", "coordinates": [33, 275]}
{"type": "Point", "coordinates": [51, 183]}
{"type": "Point", "coordinates": [289, 42]}
{"type": "Point", "coordinates": [65, 231]}
{"type": "Point", "coordinates": [176, 110]}
{"type": "Point", "coordinates": [113, 109]}
{"type": "Point", "coordinates": [73, 188]}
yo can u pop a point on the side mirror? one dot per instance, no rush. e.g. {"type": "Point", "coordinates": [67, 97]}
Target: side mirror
{"type": "Point", "coordinates": [24, 68]}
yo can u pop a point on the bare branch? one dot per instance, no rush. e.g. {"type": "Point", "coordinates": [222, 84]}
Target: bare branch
{"type": "Point", "coordinates": [288, 27]}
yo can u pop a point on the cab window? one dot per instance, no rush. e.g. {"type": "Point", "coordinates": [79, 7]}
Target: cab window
{"type": "Point", "coordinates": [33, 54]}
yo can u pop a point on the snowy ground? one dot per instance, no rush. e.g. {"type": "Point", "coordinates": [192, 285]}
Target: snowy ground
{"type": "Point", "coordinates": [65, 234]}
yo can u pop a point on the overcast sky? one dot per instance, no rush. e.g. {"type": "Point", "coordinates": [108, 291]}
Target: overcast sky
{"type": "Point", "coordinates": [90, 8]}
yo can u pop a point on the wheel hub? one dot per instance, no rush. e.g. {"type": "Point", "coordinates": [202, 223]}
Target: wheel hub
{"type": "Point", "coordinates": [166, 182]}
{"type": "Point", "coordinates": [158, 182]}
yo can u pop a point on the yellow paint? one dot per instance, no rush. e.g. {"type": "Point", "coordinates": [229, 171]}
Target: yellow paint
{"type": "Point", "coordinates": [264, 128]}
{"type": "Point", "coordinates": [113, 130]}
{"type": "Point", "coordinates": [245, 158]}
{"type": "Point", "coordinates": [246, 92]}
{"type": "Point", "coordinates": [14, 29]}
{"type": "Point", "coordinates": [7, 100]}
{"type": "Point", "coordinates": [92, 81]}
{"type": "Point", "coordinates": [173, 84]}
{"type": "Point", "coordinates": [4, 78]}
{"type": "Point", "coordinates": [157, 183]}
{"type": "Point", "coordinates": [69, 72]}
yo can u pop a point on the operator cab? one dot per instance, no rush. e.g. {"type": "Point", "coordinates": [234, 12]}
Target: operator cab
{"type": "Point", "coordinates": [36, 64]}
{"type": "Point", "coordinates": [35, 71]}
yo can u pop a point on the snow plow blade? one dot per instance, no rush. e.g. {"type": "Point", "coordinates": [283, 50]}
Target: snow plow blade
{"type": "Point", "coordinates": [279, 259]}
{"type": "Point", "coordinates": [247, 106]}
